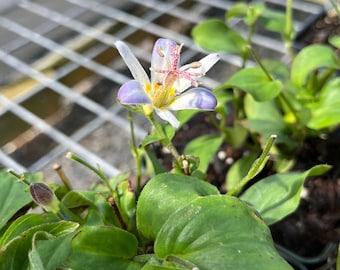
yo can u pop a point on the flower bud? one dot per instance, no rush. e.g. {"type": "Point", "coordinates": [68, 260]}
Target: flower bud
{"type": "Point", "coordinates": [44, 197]}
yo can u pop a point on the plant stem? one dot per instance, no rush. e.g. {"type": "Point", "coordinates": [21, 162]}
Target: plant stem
{"type": "Point", "coordinates": [62, 176]}
{"type": "Point", "coordinates": [20, 177]}
{"type": "Point", "coordinates": [165, 139]}
{"type": "Point", "coordinates": [327, 74]}
{"type": "Point", "coordinates": [136, 154]}
{"type": "Point", "coordinates": [99, 172]}
{"type": "Point", "coordinates": [288, 35]}
{"type": "Point", "coordinates": [271, 78]}
{"type": "Point", "coordinates": [116, 211]}
{"type": "Point", "coordinates": [259, 62]}
{"type": "Point", "coordinates": [255, 168]}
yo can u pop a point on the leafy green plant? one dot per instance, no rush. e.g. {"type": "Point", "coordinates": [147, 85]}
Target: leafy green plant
{"type": "Point", "coordinates": [177, 220]}
{"type": "Point", "coordinates": [293, 100]}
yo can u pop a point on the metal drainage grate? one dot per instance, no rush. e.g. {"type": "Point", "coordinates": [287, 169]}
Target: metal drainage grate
{"type": "Point", "coordinates": [59, 74]}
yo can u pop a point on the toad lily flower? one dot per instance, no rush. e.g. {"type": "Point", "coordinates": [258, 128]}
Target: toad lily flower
{"type": "Point", "coordinates": [167, 89]}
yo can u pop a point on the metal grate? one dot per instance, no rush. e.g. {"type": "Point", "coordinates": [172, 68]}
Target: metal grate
{"type": "Point", "coordinates": [59, 73]}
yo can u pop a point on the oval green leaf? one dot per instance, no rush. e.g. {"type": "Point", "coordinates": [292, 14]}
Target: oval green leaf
{"type": "Point", "coordinates": [204, 147]}
{"type": "Point", "coordinates": [13, 196]}
{"type": "Point", "coordinates": [24, 223]}
{"type": "Point", "coordinates": [14, 255]}
{"type": "Point", "coordinates": [49, 252]}
{"type": "Point", "coordinates": [218, 232]}
{"type": "Point", "coordinates": [326, 111]}
{"type": "Point", "coordinates": [312, 58]}
{"type": "Point", "coordinates": [255, 82]}
{"type": "Point", "coordinates": [239, 170]}
{"type": "Point", "coordinates": [237, 10]}
{"type": "Point", "coordinates": [103, 247]}
{"type": "Point", "coordinates": [278, 195]}
{"type": "Point", "coordinates": [335, 41]}
{"type": "Point", "coordinates": [163, 195]}
{"type": "Point", "coordinates": [214, 35]}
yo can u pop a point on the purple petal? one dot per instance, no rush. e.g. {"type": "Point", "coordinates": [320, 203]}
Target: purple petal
{"type": "Point", "coordinates": [161, 58]}
{"type": "Point", "coordinates": [132, 93]}
{"type": "Point", "coordinates": [132, 62]}
{"type": "Point", "coordinates": [196, 98]}
{"type": "Point", "coordinates": [168, 116]}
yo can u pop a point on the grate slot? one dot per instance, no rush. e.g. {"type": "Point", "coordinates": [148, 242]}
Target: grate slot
{"type": "Point", "coordinates": [56, 135]}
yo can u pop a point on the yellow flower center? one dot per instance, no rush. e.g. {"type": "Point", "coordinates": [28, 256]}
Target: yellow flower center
{"type": "Point", "coordinates": [161, 92]}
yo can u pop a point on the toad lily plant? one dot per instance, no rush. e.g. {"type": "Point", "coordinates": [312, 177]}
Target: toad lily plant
{"type": "Point", "coordinates": [169, 86]}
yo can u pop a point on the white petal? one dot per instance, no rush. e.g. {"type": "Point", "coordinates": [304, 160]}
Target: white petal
{"type": "Point", "coordinates": [168, 116]}
{"type": "Point", "coordinates": [132, 62]}
{"type": "Point", "coordinates": [196, 98]}
{"type": "Point", "coordinates": [207, 63]}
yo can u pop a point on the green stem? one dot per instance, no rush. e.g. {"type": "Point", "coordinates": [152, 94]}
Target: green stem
{"type": "Point", "coordinates": [324, 78]}
{"type": "Point", "coordinates": [136, 154]}
{"type": "Point", "coordinates": [288, 34]}
{"type": "Point", "coordinates": [255, 168]}
{"type": "Point", "coordinates": [259, 62]}
{"type": "Point", "coordinates": [99, 172]}
{"type": "Point", "coordinates": [20, 177]}
{"type": "Point", "coordinates": [165, 139]}
{"type": "Point", "coordinates": [271, 78]}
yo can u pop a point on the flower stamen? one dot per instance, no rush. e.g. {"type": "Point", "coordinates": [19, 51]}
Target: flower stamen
{"type": "Point", "coordinates": [174, 71]}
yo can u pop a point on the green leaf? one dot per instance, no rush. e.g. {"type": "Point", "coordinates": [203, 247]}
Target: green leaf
{"type": "Point", "coordinates": [24, 223]}
{"type": "Point", "coordinates": [277, 69]}
{"type": "Point", "coordinates": [79, 201]}
{"type": "Point", "coordinates": [239, 170]}
{"type": "Point", "coordinates": [184, 116]}
{"type": "Point", "coordinates": [236, 135]}
{"type": "Point", "coordinates": [326, 111]}
{"type": "Point", "coordinates": [254, 12]}
{"type": "Point", "coordinates": [13, 196]}
{"type": "Point", "coordinates": [215, 35]}
{"type": "Point", "coordinates": [277, 196]}
{"type": "Point", "coordinates": [266, 119]}
{"type": "Point", "coordinates": [14, 255]}
{"type": "Point", "coordinates": [204, 147]}
{"type": "Point", "coordinates": [237, 10]}
{"type": "Point", "coordinates": [163, 195]}
{"type": "Point", "coordinates": [127, 204]}
{"type": "Point", "coordinates": [49, 252]}
{"type": "Point", "coordinates": [155, 137]}
{"type": "Point", "coordinates": [255, 82]}
{"type": "Point", "coordinates": [156, 164]}
{"type": "Point", "coordinates": [273, 20]}
{"type": "Point", "coordinates": [311, 58]}
{"type": "Point", "coordinates": [217, 231]}
{"type": "Point", "coordinates": [335, 41]}
{"type": "Point", "coordinates": [103, 247]}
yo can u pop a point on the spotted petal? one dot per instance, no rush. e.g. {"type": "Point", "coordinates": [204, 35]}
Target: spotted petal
{"type": "Point", "coordinates": [132, 62]}
{"type": "Point", "coordinates": [132, 93]}
{"type": "Point", "coordinates": [196, 98]}
{"type": "Point", "coordinates": [168, 116]}
{"type": "Point", "coordinates": [161, 58]}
